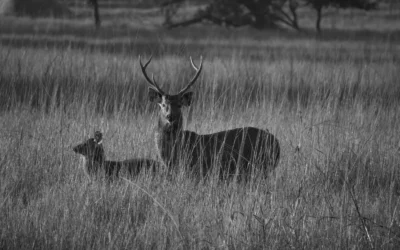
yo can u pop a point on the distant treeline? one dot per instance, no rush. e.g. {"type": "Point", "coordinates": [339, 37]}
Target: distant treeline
{"type": "Point", "coordinates": [267, 14]}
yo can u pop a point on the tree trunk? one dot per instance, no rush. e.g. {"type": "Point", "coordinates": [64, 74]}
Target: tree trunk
{"type": "Point", "coordinates": [293, 5]}
{"type": "Point", "coordinates": [97, 20]}
{"type": "Point", "coordinates": [319, 18]}
{"type": "Point", "coordinates": [259, 22]}
{"type": "Point", "coordinates": [264, 21]}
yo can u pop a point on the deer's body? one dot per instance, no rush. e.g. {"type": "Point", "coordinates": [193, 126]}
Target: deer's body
{"type": "Point", "coordinates": [129, 168]}
{"type": "Point", "coordinates": [94, 162]}
{"type": "Point", "coordinates": [235, 151]}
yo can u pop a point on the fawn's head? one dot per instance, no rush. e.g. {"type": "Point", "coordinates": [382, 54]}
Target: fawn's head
{"type": "Point", "coordinates": [170, 105]}
{"type": "Point", "coordinates": [92, 148]}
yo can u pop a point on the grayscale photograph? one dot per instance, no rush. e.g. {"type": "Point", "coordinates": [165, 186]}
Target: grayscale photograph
{"type": "Point", "coordinates": [199, 124]}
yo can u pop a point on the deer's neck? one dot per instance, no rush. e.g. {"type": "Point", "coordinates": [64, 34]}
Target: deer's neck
{"type": "Point", "coordinates": [167, 137]}
{"type": "Point", "coordinates": [168, 129]}
{"type": "Point", "coordinates": [94, 162]}
{"type": "Point", "coordinates": [99, 156]}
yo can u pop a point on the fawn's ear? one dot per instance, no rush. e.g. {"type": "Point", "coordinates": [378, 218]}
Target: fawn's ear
{"type": "Point", "coordinates": [98, 137]}
{"type": "Point", "coordinates": [154, 96]}
{"type": "Point", "coordinates": [186, 99]}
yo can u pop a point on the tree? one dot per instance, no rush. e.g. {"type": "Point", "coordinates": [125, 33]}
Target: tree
{"type": "Point", "coordinates": [319, 5]}
{"type": "Point", "coordinates": [170, 9]}
{"type": "Point", "coordinates": [95, 5]}
{"type": "Point", "coordinates": [260, 14]}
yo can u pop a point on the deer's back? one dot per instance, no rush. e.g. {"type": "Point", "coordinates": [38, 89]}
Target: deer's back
{"type": "Point", "coordinates": [247, 141]}
{"type": "Point", "coordinates": [239, 147]}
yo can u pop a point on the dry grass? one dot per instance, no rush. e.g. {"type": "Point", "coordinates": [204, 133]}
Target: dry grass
{"type": "Point", "coordinates": [339, 102]}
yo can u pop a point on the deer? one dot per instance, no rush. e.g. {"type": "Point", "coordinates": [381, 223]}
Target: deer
{"type": "Point", "coordinates": [236, 151]}
{"type": "Point", "coordinates": [94, 160]}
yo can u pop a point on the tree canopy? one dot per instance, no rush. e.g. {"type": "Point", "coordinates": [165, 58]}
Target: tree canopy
{"type": "Point", "coordinates": [256, 13]}
{"type": "Point", "coordinates": [260, 14]}
{"type": "Point", "coordinates": [319, 5]}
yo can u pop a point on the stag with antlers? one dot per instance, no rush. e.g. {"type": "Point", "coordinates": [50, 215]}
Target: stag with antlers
{"type": "Point", "coordinates": [236, 151]}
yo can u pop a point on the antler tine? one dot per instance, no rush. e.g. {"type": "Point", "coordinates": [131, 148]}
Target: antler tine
{"type": "Point", "coordinates": [153, 83]}
{"type": "Point", "coordinates": [198, 70]}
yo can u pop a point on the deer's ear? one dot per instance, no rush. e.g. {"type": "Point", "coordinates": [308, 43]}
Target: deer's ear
{"type": "Point", "coordinates": [186, 99]}
{"type": "Point", "coordinates": [98, 137]}
{"type": "Point", "coordinates": [154, 96]}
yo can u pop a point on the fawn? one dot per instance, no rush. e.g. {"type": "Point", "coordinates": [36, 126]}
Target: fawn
{"type": "Point", "coordinates": [94, 160]}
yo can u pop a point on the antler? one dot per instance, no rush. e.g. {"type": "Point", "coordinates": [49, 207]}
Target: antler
{"type": "Point", "coordinates": [198, 70]}
{"type": "Point", "coordinates": [152, 82]}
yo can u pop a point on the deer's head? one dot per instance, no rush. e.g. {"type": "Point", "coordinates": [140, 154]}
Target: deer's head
{"type": "Point", "coordinates": [92, 148]}
{"type": "Point", "coordinates": [170, 105]}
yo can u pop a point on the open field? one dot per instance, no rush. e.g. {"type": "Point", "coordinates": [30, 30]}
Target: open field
{"type": "Point", "coordinates": [338, 99]}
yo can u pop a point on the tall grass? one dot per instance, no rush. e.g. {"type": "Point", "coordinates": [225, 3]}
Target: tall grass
{"type": "Point", "coordinates": [339, 191]}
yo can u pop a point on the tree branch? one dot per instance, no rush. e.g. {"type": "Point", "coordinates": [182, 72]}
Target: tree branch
{"type": "Point", "coordinates": [185, 22]}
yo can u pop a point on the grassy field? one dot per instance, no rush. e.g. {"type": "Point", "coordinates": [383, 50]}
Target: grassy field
{"type": "Point", "coordinates": [336, 97]}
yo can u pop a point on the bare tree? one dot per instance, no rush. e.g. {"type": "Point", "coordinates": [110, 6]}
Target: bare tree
{"type": "Point", "coordinates": [260, 14]}
{"type": "Point", "coordinates": [95, 5]}
{"type": "Point", "coordinates": [319, 5]}
{"type": "Point", "coordinates": [170, 9]}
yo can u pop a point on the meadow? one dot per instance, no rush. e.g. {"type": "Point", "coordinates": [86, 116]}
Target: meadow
{"type": "Point", "coordinates": [332, 101]}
